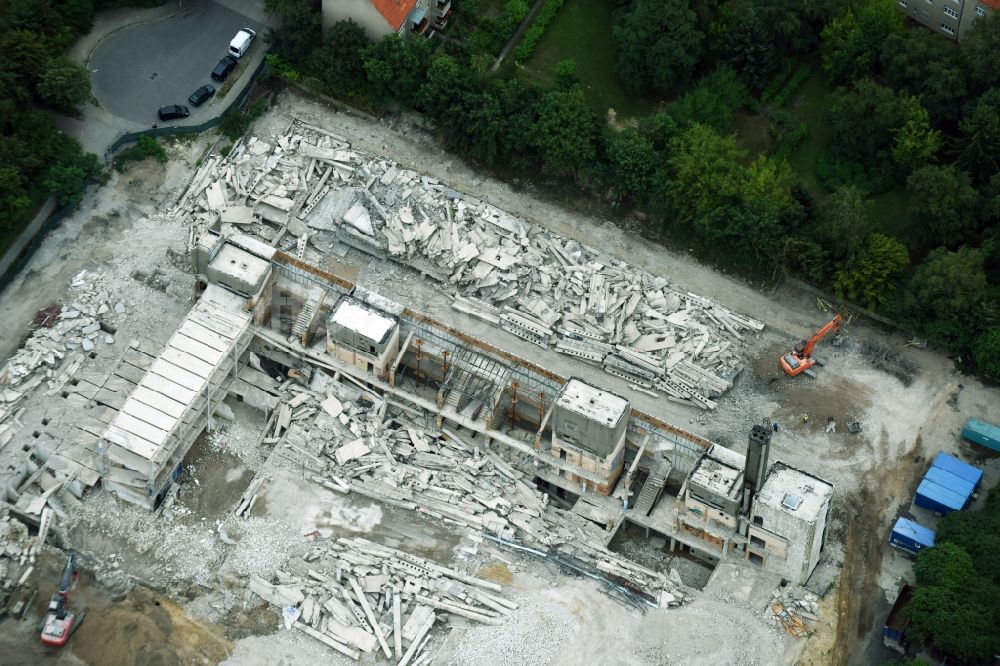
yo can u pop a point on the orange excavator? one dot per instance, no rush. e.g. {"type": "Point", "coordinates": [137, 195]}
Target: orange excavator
{"type": "Point", "coordinates": [800, 360]}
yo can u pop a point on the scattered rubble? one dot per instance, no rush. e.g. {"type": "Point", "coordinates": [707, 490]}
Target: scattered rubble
{"type": "Point", "coordinates": [312, 192]}
{"type": "Point", "coordinates": [889, 359]}
{"type": "Point", "coordinates": [358, 596]}
{"type": "Point", "coordinates": [400, 464]}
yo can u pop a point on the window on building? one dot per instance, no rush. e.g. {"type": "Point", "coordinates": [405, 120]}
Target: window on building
{"type": "Point", "coordinates": [758, 520]}
{"type": "Point", "coordinates": [904, 3]}
{"type": "Point", "coordinates": [371, 349]}
{"type": "Point", "coordinates": [930, 2]}
{"type": "Point", "coordinates": [947, 29]}
{"type": "Point", "coordinates": [980, 10]}
{"type": "Point", "coordinates": [948, 11]}
{"type": "Point", "coordinates": [758, 542]}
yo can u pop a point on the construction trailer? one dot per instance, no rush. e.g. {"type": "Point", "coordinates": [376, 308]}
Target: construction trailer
{"type": "Point", "coordinates": [954, 483]}
{"type": "Point", "coordinates": [938, 499]}
{"type": "Point", "coordinates": [982, 433]}
{"type": "Point", "coordinates": [958, 468]}
{"type": "Point", "coordinates": [910, 537]}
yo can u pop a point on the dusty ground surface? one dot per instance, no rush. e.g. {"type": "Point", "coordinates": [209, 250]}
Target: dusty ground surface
{"type": "Point", "coordinates": [875, 472]}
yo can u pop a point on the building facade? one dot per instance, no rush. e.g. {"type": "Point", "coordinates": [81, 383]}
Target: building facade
{"type": "Point", "coordinates": [949, 18]}
{"type": "Point", "coordinates": [385, 17]}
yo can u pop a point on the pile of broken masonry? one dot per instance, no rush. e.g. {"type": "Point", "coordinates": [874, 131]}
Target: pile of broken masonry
{"type": "Point", "coordinates": [56, 349]}
{"type": "Point", "coordinates": [358, 596]}
{"type": "Point", "coordinates": [351, 441]}
{"type": "Point", "coordinates": [547, 289]}
{"type": "Point", "coordinates": [18, 551]}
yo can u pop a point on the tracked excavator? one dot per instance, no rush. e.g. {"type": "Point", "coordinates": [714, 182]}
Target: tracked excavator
{"type": "Point", "coordinates": [61, 622]}
{"type": "Point", "coordinates": [801, 360]}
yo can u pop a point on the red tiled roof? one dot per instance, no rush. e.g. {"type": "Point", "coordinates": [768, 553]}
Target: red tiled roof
{"type": "Point", "coordinates": [992, 4]}
{"type": "Point", "coordinates": [394, 11]}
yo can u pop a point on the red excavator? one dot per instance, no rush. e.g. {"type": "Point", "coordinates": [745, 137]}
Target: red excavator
{"type": "Point", "coordinates": [800, 360]}
{"type": "Point", "coordinates": [61, 622]}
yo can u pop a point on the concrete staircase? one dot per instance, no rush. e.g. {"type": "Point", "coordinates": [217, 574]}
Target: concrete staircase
{"type": "Point", "coordinates": [457, 388]}
{"type": "Point", "coordinates": [306, 315]}
{"type": "Point", "coordinates": [652, 488]}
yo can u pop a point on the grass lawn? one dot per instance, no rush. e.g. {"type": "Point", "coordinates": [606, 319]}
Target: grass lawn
{"type": "Point", "coordinates": [581, 31]}
{"type": "Point", "coordinates": [809, 106]}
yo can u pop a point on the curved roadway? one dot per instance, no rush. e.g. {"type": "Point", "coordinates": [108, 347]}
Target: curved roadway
{"type": "Point", "coordinates": [139, 69]}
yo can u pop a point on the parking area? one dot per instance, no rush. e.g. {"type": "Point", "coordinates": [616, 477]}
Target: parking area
{"type": "Point", "coordinates": [139, 69]}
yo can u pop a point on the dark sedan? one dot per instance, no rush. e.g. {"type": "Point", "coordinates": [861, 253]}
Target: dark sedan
{"type": "Point", "coordinates": [222, 70]}
{"type": "Point", "coordinates": [201, 95]}
{"type": "Point", "coordinates": [173, 112]}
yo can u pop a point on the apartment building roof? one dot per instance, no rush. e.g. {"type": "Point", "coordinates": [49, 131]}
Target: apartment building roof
{"type": "Point", "coordinates": [394, 11]}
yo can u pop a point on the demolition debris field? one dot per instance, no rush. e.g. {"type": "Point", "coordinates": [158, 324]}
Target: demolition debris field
{"type": "Point", "coordinates": [512, 269]}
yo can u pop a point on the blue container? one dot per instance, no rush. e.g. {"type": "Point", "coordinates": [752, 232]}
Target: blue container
{"type": "Point", "coordinates": [958, 468]}
{"type": "Point", "coordinates": [911, 537]}
{"type": "Point", "coordinates": [980, 432]}
{"type": "Point", "coordinates": [938, 499]}
{"type": "Point", "coordinates": [953, 483]}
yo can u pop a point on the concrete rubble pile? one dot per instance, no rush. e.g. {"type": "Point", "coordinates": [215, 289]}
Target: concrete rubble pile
{"type": "Point", "coordinates": [518, 276]}
{"type": "Point", "coordinates": [18, 551]}
{"type": "Point", "coordinates": [351, 446]}
{"type": "Point", "coordinates": [63, 336]}
{"type": "Point", "coordinates": [357, 597]}
{"type": "Point", "coordinates": [797, 600]}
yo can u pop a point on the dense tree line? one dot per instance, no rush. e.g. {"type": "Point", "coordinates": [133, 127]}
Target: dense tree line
{"type": "Point", "coordinates": [909, 110]}
{"type": "Point", "coordinates": [36, 160]}
{"type": "Point", "coordinates": [956, 605]}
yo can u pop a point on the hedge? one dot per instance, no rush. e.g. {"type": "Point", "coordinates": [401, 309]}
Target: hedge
{"type": "Point", "coordinates": [537, 30]}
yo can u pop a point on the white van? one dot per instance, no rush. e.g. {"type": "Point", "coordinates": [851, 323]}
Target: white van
{"type": "Point", "coordinates": [241, 42]}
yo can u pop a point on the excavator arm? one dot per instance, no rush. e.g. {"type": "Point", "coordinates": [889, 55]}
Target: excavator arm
{"type": "Point", "coordinates": [833, 325]}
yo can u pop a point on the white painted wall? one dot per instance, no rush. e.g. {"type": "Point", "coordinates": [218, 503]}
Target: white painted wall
{"type": "Point", "coordinates": [361, 11]}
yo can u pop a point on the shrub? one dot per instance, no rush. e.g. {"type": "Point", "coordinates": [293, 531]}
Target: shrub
{"type": "Point", "coordinates": [147, 146]}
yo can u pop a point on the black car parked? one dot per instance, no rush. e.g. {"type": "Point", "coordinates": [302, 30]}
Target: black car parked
{"type": "Point", "coordinates": [221, 71]}
{"type": "Point", "coordinates": [173, 112]}
{"type": "Point", "coordinates": [201, 95]}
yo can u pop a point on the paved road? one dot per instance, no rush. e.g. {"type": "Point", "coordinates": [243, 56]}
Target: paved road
{"type": "Point", "coordinates": [138, 69]}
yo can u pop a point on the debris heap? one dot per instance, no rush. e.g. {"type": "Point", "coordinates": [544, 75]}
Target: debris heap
{"type": "Point", "coordinates": [552, 291]}
{"type": "Point", "coordinates": [350, 446]}
{"type": "Point", "coordinates": [64, 334]}
{"type": "Point", "coordinates": [358, 596]}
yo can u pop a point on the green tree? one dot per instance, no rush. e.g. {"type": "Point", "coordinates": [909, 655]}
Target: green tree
{"type": "Point", "coordinates": [704, 172]}
{"type": "Point", "coordinates": [879, 130]}
{"type": "Point", "coordinates": [566, 77]}
{"type": "Point", "coordinates": [986, 353]}
{"type": "Point", "coordinates": [67, 178]}
{"type": "Point", "coordinates": [980, 49]}
{"type": "Point", "coordinates": [750, 49]}
{"type": "Point", "coordinates": [565, 132]}
{"type": "Point", "coordinates": [979, 145]}
{"type": "Point", "coordinates": [14, 200]}
{"type": "Point", "coordinates": [947, 294]}
{"type": "Point", "coordinates": [920, 63]}
{"type": "Point", "coordinates": [874, 273]}
{"type": "Point", "coordinates": [299, 30]}
{"type": "Point", "coordinates": [632, 161]}
{"type": "Point", "coordinates": [396, 68]}
{"type": "Point", "coordinates": [64, 84]}
{"type": "Point", "coordinates": [915, 142]}
{"type": "Point", "coordinates": [853, 42]}
{"type": "Point", "coordinates": [712, 102]}
{"type": "Point", "coordinates": [657, 45]}
{"type": "Point", "coordinates": [794, 25]}
{"type": "Point", "coordinates": [765, 194]}
{"type": "Point", "coordinates": [845, 222]}
{"type": "Point", "coordinates": [338, 62]}
{"type": "Point", "coordinates": [943, 199]}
